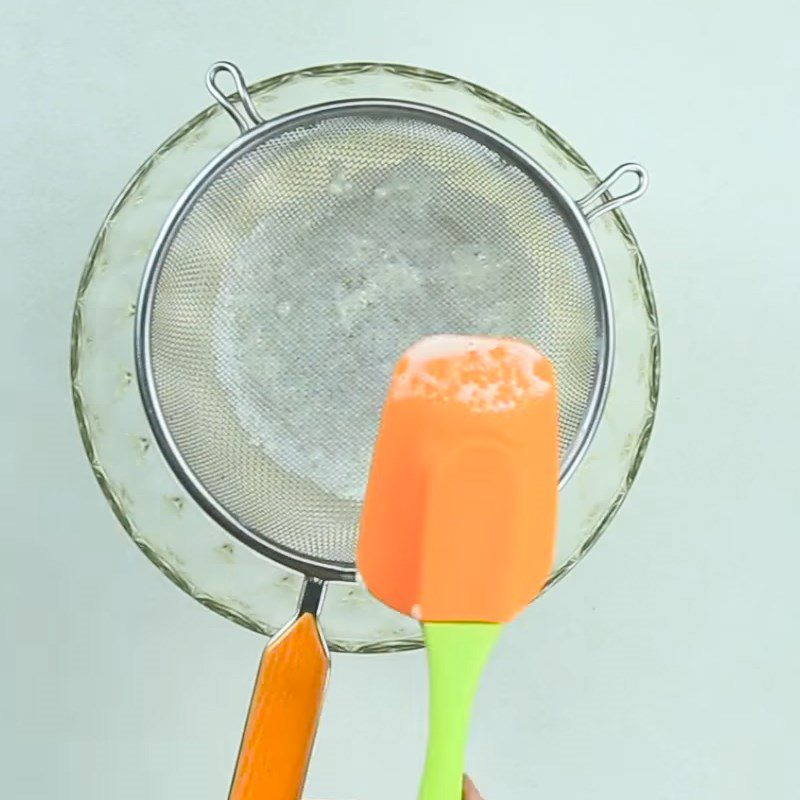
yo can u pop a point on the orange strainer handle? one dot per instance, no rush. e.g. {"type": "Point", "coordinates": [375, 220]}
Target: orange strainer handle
{"type": "Point", "coordinates": [283, 716]}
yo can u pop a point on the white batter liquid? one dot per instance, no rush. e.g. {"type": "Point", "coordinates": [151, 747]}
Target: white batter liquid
{"type": "Point", "coordinates": [309, 325]}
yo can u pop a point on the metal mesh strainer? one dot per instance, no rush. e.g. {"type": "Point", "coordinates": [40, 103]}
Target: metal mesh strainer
{"type": "Point", "coordinates": [303, 261]}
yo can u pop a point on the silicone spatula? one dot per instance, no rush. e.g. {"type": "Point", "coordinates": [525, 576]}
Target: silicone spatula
{"type": "Point", "coordinates": [458, 523]}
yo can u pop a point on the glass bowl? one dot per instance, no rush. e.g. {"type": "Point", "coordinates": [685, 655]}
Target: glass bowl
{"type": "Point", "coordinates": [186, 545]}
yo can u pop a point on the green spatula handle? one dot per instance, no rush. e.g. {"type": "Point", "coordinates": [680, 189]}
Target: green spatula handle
{"type": "Point", "coordinates": [457, 652]}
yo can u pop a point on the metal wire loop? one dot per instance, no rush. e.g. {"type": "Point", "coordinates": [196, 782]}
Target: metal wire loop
{"type": "Point", "coordinates": [615, 202]}
{"type": "Point", "coordinates": [246, 115]}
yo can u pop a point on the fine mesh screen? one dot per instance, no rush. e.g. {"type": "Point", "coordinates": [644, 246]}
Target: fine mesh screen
{"type": "Point", "coordinates": [303, 269]}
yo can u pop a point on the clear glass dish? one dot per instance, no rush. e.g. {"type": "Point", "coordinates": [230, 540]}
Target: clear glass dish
{"type": "Point", "coordinates": [155, 511]}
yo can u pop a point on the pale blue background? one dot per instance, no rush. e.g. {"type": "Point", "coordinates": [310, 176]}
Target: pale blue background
{"type": "Point", "coordinates": [666, 666]}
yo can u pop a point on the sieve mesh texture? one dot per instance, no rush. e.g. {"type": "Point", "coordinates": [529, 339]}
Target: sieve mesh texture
{"type": "Point", "coordinates": [303, 268]}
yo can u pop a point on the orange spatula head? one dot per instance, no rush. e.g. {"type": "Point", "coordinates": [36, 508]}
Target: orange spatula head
{"type": "Point", "coordinates": [459, 516]}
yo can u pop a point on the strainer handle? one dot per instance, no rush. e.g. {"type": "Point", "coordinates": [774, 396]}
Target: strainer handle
{"type": "Point", "coordinates": [592, 213]}
{"type": "Point", "coordinates": [245, 115]}
{"type": "Point", "coordinates": [284, 711]}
